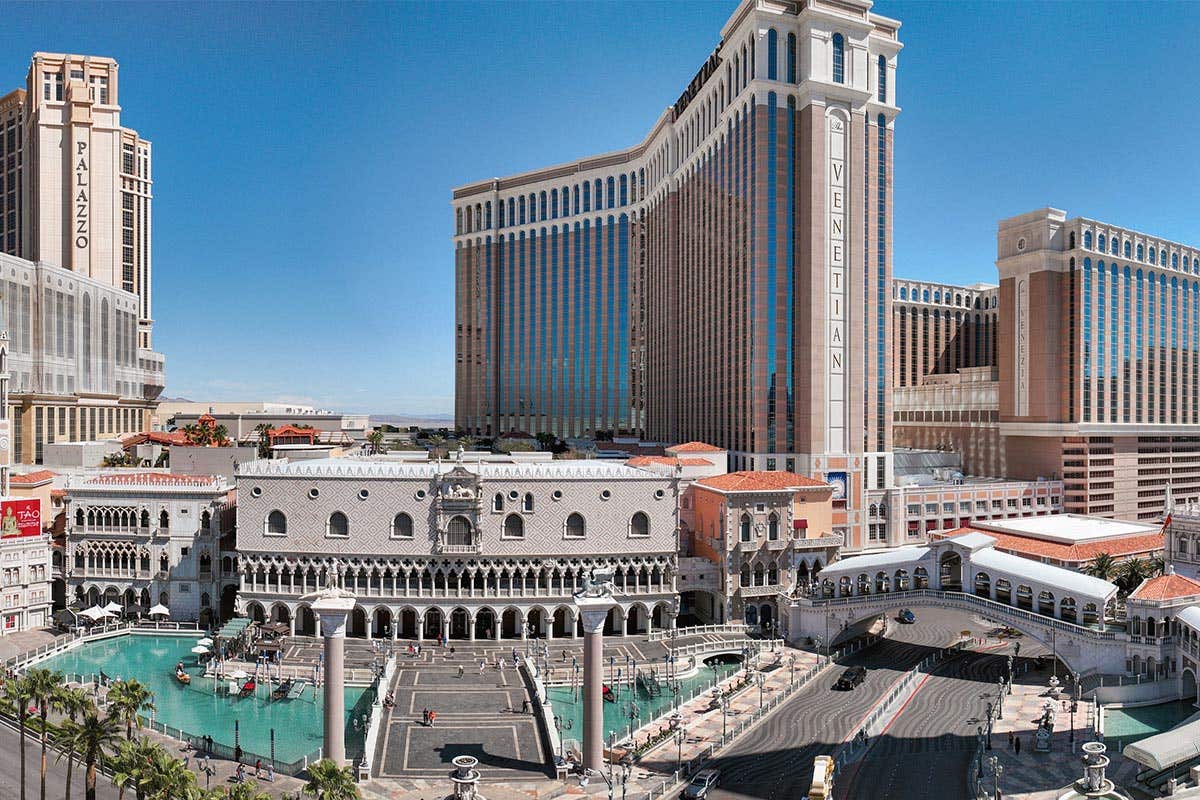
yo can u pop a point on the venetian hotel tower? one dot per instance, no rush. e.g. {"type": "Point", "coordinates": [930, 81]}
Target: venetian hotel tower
{"type": "Point", "coordinates": [726, 279]}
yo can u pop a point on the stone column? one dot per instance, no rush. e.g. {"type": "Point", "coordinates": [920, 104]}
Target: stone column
{"type": "Point", "coordinates": [332, 609]}
{"type": "Point", "coordinates": [594, 611]}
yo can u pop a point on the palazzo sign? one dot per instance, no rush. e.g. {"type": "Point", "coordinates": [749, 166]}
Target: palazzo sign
{"type": "Point", "coordinates": [81, 189]}
{"type": "Point", "coordinates": [835, 412]}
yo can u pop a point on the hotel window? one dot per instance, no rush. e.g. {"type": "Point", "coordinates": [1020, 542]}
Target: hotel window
{"type": "Point", "coordinates": [52, 86]}
{"type": "Point", "coordinates": [100, 89]}
{"type": "Point", "coordinates": [1087, 240]}
{"type": "Point", "coordinates": [1141, 253]}
{"type": "Point", "coordinates": [1152, 259]}
{"type": "Point", "coordinates": [1128, 250]}
{"type": "Point", "coordinates": [839, 58]}
{"type": "Point", "coordinates": [772, 55]}
{"type": "Point", "coordinates": [1101, 242]}
{"type": "Point", "coordinates": [791, 58]}
{"type": "Point", "coordinates": [542, 206]}
{"type": "Point", "coordinates": [624, 189]}
{"type": "Point", "coordinates": [883, 79]}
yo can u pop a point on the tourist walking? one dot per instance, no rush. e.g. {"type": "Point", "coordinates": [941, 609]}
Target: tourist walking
{"type": "Point", "coordinates": [1017, 745]}
{"type": "Point", "coordinates": [257, 768]}
{"type": "Point", "coordinates": [460, 671]}
{"type": "Point", "coordinates": [482, 665]}
{"type": "Point", "coordinates": [425, 717]}
{"type": "Point", "coordinates": [432, 718]}
{"type": "Point", "coordinates": [1010, 740]}
{"type": "Point", "coordinates": [525, 706]}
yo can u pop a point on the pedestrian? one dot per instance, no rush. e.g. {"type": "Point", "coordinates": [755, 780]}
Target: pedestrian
{"type": "Point", "coordinates": [432, 718]}
{"type": "Point", "coordinates": [425, 717]}
{"type": "Point", "coordinates": [271, 773]}
{"type": "Point", "coordinates": [240, 777]}
{"type": "Point", "coordinates": [1017, 745]}
{"type": "Point", "coordinates": [525, 706]}
{"type": "Point", "coordinates": [257, 768]}
{"type": "Point", "coordinates": [1010, 740]}
{"type": "Point", "coordinates": [460, 671]}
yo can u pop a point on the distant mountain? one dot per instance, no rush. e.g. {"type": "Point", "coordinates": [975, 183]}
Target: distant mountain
{"type": "Point", "coordinates": [174, 400]}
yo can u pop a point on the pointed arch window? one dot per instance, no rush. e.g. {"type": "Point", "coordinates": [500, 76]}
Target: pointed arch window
{"type": "Point", "coordinates": [883, 79]}
{"type": "Point", "coordinates": [744, 528]}
{"type": "Point", "coordinates": [514, 527]}
{"type": "Point", "coordinates": [773, 528]}
{"type": "Point", "coordinates": [772, 55]}
{"type": "Point", "coordinates": [791, 58]}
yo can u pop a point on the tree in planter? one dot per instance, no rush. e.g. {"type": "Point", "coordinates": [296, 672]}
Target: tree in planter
{"type": "Point", "coordinates": [16, 691]}
{"type": "Point", "coordinates": [72, 703]}
{"type": "Point", "coordinates": [328, 781]}
{"type": "Point", "coordinates": [247, 791]}
{"type": "Point", "coordinates": [132, 766]}
{"type": "Point", "coordinates": [94, 738]}
{"type": "Point", "coordinates": [43, 685]}
{"type": "Point", "coordinates": [168, 778]}
{"type": "Point", "coordinates": [128, 699]}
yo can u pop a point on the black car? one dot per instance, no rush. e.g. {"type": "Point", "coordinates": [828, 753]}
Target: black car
{"type": "Point", "coordinates": [852, 677]}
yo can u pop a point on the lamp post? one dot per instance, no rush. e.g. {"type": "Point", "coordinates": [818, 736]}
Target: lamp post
{"type": "Point", "coordinates": [724, 714]}
{"type": "Point", "coordinates": [997, 771]}
{"type": "Point", "coordinates": [760, 679]}
{"type": "Point", "coordinates": [680, 735]}
{"type": "Point", "coordinates": [561, 725]}
{"type": "Point", "coordinates": [989, 726]}
{"type": "Point", "coordinates": [979, 749]}
{"type": "Point", "coordinates": [1000, 697]}
{"type": "Point", "coordinates": [792, 668]}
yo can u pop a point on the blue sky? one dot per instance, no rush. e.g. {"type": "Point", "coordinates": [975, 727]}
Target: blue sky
{"type": "Point", "coordinates": [304, 154]}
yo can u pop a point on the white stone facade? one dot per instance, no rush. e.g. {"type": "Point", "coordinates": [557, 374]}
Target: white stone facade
{"type": "Point", "coordinates": [141, 539]}
{"type": "Point", "coordinates": [475, 549]}
{"type": "Point", "coordinates": [25, 589]}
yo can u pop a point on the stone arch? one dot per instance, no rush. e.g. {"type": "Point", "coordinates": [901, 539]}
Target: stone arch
{"type": "Point", "coordinates": [660, 617]}
{"type": "Point", "coordinates": [614, 623]}
{"type": "Point", "coordinates": [432, 623]}
{"type": "Point", "coordinates": [1187, 685]}
{"type": "Point", "coordinates": [537, 619]}
{"type": "Point", "coordinates": [1024, 597]}
{"type": "Point", "coordinates": [407, 620]}
{"type": "Point", "coordinates": [485, 623]}
{"type": "Point", "coordinates": [1045, 603]}
{"type": "Point", "coordinates": [950, 570]}
{"type": "Point", "coordinates": [1066, 609]}
{"type": "Point", "coordinates": [255, 611]}
{"type": "Point", "coordinates": [306, 620]}
{"type": "Point", "coordinates": [1004, 591]}
{"type": "Point", "coordinates": [356, 626]}
{"type": "Point", "coordinates": [510, 623]}
{"type": "Point", "coordinates": [562, 622]}
{"type": "Point", "coordinates": [281, 613]}
{"type": "Point", "coordinates": [983, 584]}
{"type": "Point", "coordinates": [637, 619]}
{"type": "Point", "coordinates": [460, 623]}
{"type": "Point", "coordinates": [381, 622]}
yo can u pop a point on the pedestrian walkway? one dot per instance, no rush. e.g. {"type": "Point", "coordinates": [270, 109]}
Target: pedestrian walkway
{"type": "Point", "coordinates": [1031, 775]}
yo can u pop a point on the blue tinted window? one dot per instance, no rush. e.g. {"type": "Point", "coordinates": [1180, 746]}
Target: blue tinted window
{"type": "Point", "coordinates": [903, 293]}
{"type": "Point", "coordinates": [624, 190]}
{"type": "Point", "coordinates": [554, 203]}
{"type": "Point", "coordinates": [1087, 240]}
{"type": "Point", "coordinates": [883, 79]}
{"type": "Point", "coordinates": [1152, 259]}
{"type": "Point", "coordinates": [839, 58]}
{"type": "Point", "coordinates": [1141, 253]}
{"type": "Point", "coordinates": [1115, 245]}
{"type": "Point", "coordinates": [772, 54]}
{"type": "Point", "coordinates": [587, 197]}
{"type": "Point", "coordinates": [791, 58]}
{"type": "Point", "coordinates": [610, 192]}
{"type": "Point", "coordinates": [1127, 251]}
{"type": "Point", "coordinates": [1101, 241]}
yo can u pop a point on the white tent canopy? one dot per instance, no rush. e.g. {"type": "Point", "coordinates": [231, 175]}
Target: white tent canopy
{"type": "Point", "coordinates": [95, 613]}
{"type": "Point", "coordinates": [159, 611]}
{"type": "Point", "coordinates": [1165, 750]}
{"type": "Point", "coordinates": [199, 649]}
{"type": "Point", "coordinates": [113, 608]}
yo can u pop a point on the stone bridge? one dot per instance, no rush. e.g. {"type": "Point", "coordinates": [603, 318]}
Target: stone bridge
{"type": "Point", "coordinates": [1083, 649]}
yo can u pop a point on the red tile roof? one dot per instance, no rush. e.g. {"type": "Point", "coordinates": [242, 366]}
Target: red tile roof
{"type": "Point", "coordinates": [1166, 587]}
{"type": "Point", "coordinates": [1030, 547]}
{"type": "Point", "coordinates": [32, 478]}
{"type": "Point", "coordinates": [668, 461]}
{"type": "Point", "coordinates": [696, 447]}
{"type": "Point", "coordinates": [760, 481]}
{"type": "Point", "coordinates": [177, 438]}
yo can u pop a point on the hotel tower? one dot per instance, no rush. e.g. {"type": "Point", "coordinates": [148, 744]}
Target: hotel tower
{"type": "Point", "coordinates": [726, 279]}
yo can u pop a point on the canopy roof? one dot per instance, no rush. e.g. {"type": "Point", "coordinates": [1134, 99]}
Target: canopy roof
{"type": "Point", "coordinates": [1064, 582]}
{"type": "Point", "coordinates": [159, 611]}
{"type": "Point", "coordinates": [870, 563]}
{"type": "Point", "coordinates": [1165, 750]}
{"type": "Point", "coordinates": [234, 627]}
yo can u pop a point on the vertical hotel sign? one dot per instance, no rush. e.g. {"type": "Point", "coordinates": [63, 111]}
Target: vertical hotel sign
{"type": "Point", "coordinates": [1022, 337]}
{"type": "Point", "coordinates": [835, 412]}
{"type": "Point", "coordinates": [81, 195]}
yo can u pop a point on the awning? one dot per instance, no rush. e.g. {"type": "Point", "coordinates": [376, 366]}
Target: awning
{"type": "Point", "coordinates": [95, 613]}
{"type": "Point", "coordinates": [1165, 750]}
{"type": "Point", "coordinates": [159, 611]}
{"type": "Point", "coordinates": [113, 608]}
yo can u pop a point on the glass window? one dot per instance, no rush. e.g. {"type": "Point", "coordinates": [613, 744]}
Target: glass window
{"type": "Point", "coordinates": [791, 58]}
{"type": "Point", "coordinates": [883, 79]}
{"type": "Point", "coordinates": [576, 527]}
{"type": "Point", "coordinates": [1127, 250]}
{"type": "Point", "coordinates": [1087, 240]}
{"type": "Point", "coordinates": [640, 524]}
{"type": "Point", "coordinates": [338, 525]}
{"type": "Point", "coordinates": [839, 58]}
{"type": "Point", "coordinates": [1141, 253]}
{"type": "Point", "coordinates": [402, 526]}
{"type": "Point", "coordinates": [772, 55]}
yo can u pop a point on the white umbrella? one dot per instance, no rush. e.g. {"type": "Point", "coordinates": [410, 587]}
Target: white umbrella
{"type": "Point", "coordinates": [237, 674]}
{"type": "Point", "coordinates": [199, 649]}
{"type": "Point", "coordinates": [113, 608]}
{"type": "Point", "coordinates": [95, 613]}
{"type": "Point", "coordinates": [160, 611]}
{"type": "Point", "coordinates": [207, 642]}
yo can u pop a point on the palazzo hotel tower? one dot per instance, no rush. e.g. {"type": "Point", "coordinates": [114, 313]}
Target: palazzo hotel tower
{"type": "Point", "coordinates": [726, 279]}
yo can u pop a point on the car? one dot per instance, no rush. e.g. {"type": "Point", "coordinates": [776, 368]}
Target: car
{"type": "Point", "coordinates": [906, 616]}
{"type": "Point", "coordinates": [852, 677]}
{"type": "Point", "coordinates": [699, 786]}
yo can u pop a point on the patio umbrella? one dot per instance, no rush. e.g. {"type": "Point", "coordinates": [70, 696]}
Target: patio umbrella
{"type": "Point", "coordinates": [113, 608]}
{"type": "Point", "coordinates": [95, 613]}
{"type": "Point", "coordinates": [206, 642]}
{"type": "Point", "coordinates": [160, 611]}
{"type": "Point", "coordinates": [199, 649]}
{"type": "Point", "coordinates": [238, 674]}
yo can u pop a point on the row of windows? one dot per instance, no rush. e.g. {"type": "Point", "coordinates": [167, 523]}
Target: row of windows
{"type": "Point", "coordinates": [1155, 255]}
{"type": "Point", "coordinates": [338, 526]}
{"type": "Point", "coordinates": [611, 192]}
{"type": "Point", "coordinates": [950, 299]}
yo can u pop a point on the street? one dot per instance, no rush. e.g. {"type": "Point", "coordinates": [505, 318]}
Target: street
{"type": "Point", "coordinates": [56, 773]}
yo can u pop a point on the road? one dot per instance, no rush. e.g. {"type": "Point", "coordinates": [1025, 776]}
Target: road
{"type": "Point", "coordinates": [56, 773]}
{"type": "Point", "coordinates": [773, 761]}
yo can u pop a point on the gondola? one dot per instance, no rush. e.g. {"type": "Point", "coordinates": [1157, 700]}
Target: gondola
{"type": "Point", "coordinates": [282, 690]}
{"type": "Point", "coordinates": [608, 694]}
{"type": "Point", "coordinates": [247, 688]}
{"type": "Point", "coordinates": [183, 677]}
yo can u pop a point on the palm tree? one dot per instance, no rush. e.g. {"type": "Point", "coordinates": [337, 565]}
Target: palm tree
{"type": "Point", "coordinates": [1130, 574]}
{"type": "Point", "coordinates": [43, 685]}
{"type": "Point", "coordinates": [264, 439]}
{"type": "Point", "coordinates": [168, 778]}
{"type": "Point", "coordinates": [16, 691]}
{"type": "Point", "coordinates": [247, 791]}
{"type": "Point", "coordinates": [93, 737]}
{"type": "Point", "coordinates": [192, 433]}
{"type": "Point", "coordinates": [328, 781]}
{"type": "Point", "coordinates": [133, 766]}
{"type": "Point", "coordinates": [1155, 565]}
{"type": "Point", "coordinates": [128, 699]}
{"type": "Point", "coordinates": [71, 702]}
{"type": "Point", "coordinates": [436, 442]}
{"type": "Point", "coordinates": [375, 439]}
{"type": "Point", "coordinates": [1102, 566]}
{"type": "Point", "coordinates": [220, 436]}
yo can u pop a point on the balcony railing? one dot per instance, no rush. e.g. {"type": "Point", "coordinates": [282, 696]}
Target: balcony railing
{"type": "Point", "coordinates": [460, 549]}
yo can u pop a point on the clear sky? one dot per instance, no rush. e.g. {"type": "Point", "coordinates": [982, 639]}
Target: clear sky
{"type": "Point", "coordinates": [304, 154]}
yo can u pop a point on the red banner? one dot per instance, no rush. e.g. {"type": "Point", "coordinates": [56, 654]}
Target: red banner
{"type": "Point", "coordinates": [20, 518]}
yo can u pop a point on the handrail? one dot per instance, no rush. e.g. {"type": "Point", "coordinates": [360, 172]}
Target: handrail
{"type": "Point", "coordinates": [698, 630]}
{"type": "Point", "coordinates": [963, 598]}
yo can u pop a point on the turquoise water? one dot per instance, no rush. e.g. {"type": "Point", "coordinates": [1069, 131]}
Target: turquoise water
{"type": "Point", "coordinates": [1131, 724]}
{"type": "Point", "coordinates": [616, 714]}
{"type": "Point", "coordinates": [195, 709]}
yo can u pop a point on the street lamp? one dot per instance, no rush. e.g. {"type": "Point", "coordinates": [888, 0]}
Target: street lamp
{"type": "Point", "coordinates": [724, 714]}
{"type": "Point", "coordinates": [560, 725]}
{"type": "Point", "coordinates": [979, 749]}
{"type": "Point", "coordinates": [680, 735]}
{"type": "Point", "coordinates": [761, 679]}
{"type": "Point", "coordinates": [1000, 697]}
{"type": "Point", "coordinates": [997, 771]}
{"type": "Point", "coordinates": [792, 668]}
{"type": "Point", "coordinates": [989, 726]}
